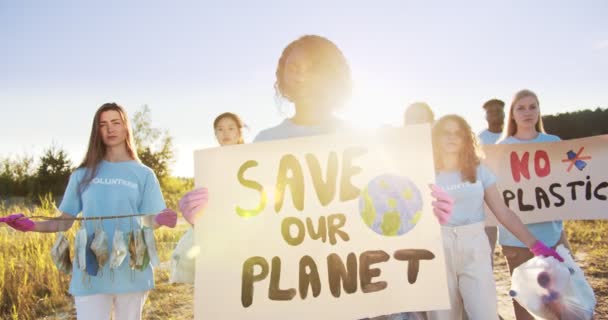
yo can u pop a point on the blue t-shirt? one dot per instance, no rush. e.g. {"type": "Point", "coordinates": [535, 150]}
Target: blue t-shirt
{"type": "Point", "coordinates": [489, 137]}
{"type": "Point", "coordinates": [119, 188]}
{"type": "Point", "coordinates": [287, 129]}
{"type": "Point", "coordinates": [468, 197]}
{"type": "Point", "coordinates": [547, 232]}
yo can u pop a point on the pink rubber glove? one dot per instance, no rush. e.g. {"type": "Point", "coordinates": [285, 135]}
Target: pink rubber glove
{"type": "Point", "coordinates": [167, 217]}
{"type": "Point", "coordinates": [192, 203]}
{"type": "Point", "coordinates": [540, 249]}
{"type": "Point", "coordinates": [19, 222]}
{"type": "Point", "coordinates": [442, 207]}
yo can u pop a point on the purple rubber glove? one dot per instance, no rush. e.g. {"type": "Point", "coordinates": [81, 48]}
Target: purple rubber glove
{"type": "Point", "coordinates": [192, 203]}
{"type": "Point", "coordinates": [442, 207]}
{"type": "Point", "coordinates": [167, 218]}
{"type": "Point", "coordinates": [19, 222]}
{"type": "Point", "coordinates": [540, 249]}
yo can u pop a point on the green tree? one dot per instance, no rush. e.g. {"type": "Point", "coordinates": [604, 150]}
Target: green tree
{"type": "Point", "coordinates": [16, 176]}
{"type": "Point", "coordinates": [577, 124]}
{"type": "Point", "coordinates": [154, 146]}
{"type": "Point", "coordinates": [53, 172]}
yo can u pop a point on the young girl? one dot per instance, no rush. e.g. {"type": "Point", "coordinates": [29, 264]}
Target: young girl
{"type": "Point", "coordinates": [459, 172]}
{"type": "Point", "coordinates": [228, 131]}
{"type": "Point", "coordinates": [110, 181]}
{"type": "Point", "coordinates": [313, 74]}
{"type": "Point", "coordinates": [525, 125]}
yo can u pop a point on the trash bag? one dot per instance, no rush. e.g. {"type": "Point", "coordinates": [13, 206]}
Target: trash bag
{"type": "Point", "coordinates": [550, 289]}
{"type": "Point", "coordinates": [92, 266]}
{"type": "Point", "coordinates": [183, 259]}
{"type": "Point", "coordinates": [151, 244]}
{"type": "Point", "coordinates": [119, 249]}
{"type": "Point", "coordinates": [80, 248]}
{"type": "Point", "coordinates": [60, 253]}
{"type": "Point", "coordinates": [138, 251]}
{"type": "Point", "coordinates": [99, 246]}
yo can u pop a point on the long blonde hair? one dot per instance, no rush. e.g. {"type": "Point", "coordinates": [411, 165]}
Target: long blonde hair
{"type": "Point", "coordinates": [97, 149]}
{"type": "Point", "coordinates": [511, 128]}
{"type": "Point", "coordinates": [470, 155]}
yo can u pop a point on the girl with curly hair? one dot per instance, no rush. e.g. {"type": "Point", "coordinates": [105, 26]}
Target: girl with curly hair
{"type": "Point", "coordinates": [471, 184]}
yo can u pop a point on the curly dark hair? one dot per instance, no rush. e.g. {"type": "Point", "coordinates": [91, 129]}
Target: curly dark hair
{"type": "Point", "coordinates": [470, 155]}
{"type": "Point", "coordinates": [328, 62]}
{"type": "Point", "coordinates": [494, 102]}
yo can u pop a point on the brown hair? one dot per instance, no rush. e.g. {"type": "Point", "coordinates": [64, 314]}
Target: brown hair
{"type": "Point", "coordinates": [407, 116]}
{"type": "Point", "coordinates": [470, 155]}
{"type": "Point", "coordinates": [235, 118]}
{"type": "Point", "coordinates": [327, 59]}
{"type": "Point", "coordinates": [97, 149]}
{"type": "Point", "coordinates": [511, 128]}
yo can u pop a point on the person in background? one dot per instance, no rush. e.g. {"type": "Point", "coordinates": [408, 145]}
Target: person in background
{"type": "Point", "coordinates": [417, 113]}
{"type": "Point", "coordinates": [495, 116]}
{"type": "Point", "coordinates": [228, 129]}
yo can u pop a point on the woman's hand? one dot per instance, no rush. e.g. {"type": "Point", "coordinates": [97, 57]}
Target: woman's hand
{"type": "Point", "coordinates": [442, 207]}
{"type": "Point", "coordinates": [192, 203]}
{"type": "Point", "coordinates": [19, 222]}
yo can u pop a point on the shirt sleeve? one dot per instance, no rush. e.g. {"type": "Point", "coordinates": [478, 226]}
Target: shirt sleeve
{"type": "Point", "coordinates": [152, 201]}
{"type": "Point", "coordinates": [486, 176]}
{"type": "Point", "coordinates": [72, 200]}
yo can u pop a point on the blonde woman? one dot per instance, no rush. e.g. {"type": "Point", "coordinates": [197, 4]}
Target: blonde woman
{"type": "Point", "coordinates": [525, 125]}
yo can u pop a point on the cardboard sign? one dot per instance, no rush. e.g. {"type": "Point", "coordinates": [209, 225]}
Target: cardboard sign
{"type": "Point", "coordinates": [332, 227]}
{"type": "Point", "coordinates": [565, 180]}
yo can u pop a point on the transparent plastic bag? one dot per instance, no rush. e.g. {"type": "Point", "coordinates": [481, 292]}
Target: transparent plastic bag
{"type": "Point", "coordinates": [119, 249]}
{"type": "Point", "coordinates": [91, 260]}
{"type": "Point", "coordinates": [99, 246]}
{"type": "Point", "coordinates": [60, 253]}
{"type": "Point", "coordinates": [183, 259]}
{"type": "Point", "coordinates": [151, 244]}
{"type": "Point", "coordinates": [138, 251]}
{"type": "Point", "coordinates": [80, 248]}
{"type": "Point", "coordinates": [550, 289]}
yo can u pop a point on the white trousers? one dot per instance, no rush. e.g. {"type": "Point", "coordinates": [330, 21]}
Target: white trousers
{"type": "Point", "coordinates": [469, 271]}
{"type": "Point", "coordinates": [126, 306]}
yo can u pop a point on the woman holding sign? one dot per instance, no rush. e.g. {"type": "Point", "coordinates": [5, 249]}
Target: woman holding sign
{"type": "Point", "coordinates": [228, 129]}
{"type": "Point", "coordinates": [525, 125]}
{"type": "Point", "coordinates": [459, 172]}
{"type": "Point", "coordinates": [313, 74]}
{"type": "Point", "coordinates": [111, 183]}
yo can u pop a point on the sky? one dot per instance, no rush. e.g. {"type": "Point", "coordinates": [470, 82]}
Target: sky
{"type": "Point", "coordinates": [189, 61]}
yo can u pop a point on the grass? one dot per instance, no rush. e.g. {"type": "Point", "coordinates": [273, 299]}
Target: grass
{"type": "Point", "coordinates": [31, 287]}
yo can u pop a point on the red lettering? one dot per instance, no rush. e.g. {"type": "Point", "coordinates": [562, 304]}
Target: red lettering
{"type": "Point", "coordinates": [546, 168]}
{"type": "Point", "coordinates": [519, 167]}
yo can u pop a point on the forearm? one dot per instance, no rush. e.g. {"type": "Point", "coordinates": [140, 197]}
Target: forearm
{"type": "Point", "coordinates": [511, 221]}
{"type": "Point", "coordinates": [64, 223]}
